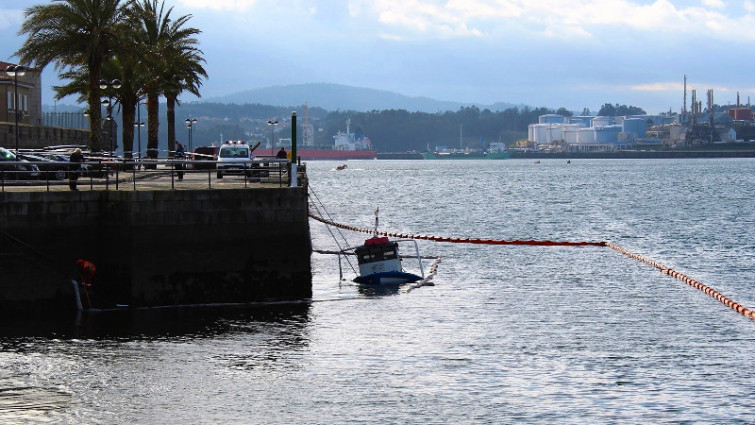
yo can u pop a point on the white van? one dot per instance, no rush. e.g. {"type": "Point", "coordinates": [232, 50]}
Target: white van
{"type": "Point", "coordinates": [234, 158]}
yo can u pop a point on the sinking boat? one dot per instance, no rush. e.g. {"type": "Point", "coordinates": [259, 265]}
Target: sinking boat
{"type": "Point", "coordinates": [380, 262]}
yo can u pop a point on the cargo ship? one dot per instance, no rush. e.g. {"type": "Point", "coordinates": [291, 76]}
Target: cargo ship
{"type": "Point", "coordinates": [345, 146]}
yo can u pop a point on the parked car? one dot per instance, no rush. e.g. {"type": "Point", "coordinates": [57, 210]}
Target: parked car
{"type": "Point", "coordinates": [52, 167]}
{"type": "Point", "coordinates": [12, 168]}
{"type": "Point", "coordinates": [206, 154]}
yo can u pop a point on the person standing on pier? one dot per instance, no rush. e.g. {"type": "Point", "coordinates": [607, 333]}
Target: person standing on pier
{"type": "Point", "coordinates": [180, 154]}
{"type": "Point", "coordinates": [75, 159]}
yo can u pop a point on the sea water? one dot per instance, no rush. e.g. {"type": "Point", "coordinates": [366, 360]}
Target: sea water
{"type": "Point", "coordinates": [508, 334]}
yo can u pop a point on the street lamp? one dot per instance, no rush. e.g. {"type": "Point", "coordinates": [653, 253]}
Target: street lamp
{"type": "Point", "coordinates": [272, 125]}
{"type": "Point", "coordinates": [190, 126]}
{"type": "Point", "coordinates": [139, 124]}
{"type": "Point", "coordinates": [105, 85]}
{"type": "Point", "coordinates": [16, 71]}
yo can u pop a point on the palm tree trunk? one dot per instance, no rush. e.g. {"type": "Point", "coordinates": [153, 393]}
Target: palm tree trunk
{"type": "Point", "coordinates": [95, 113]}
{"type": "Point", "coordinates": [129, 114]}
{"type": "Point", "coordinates": [153, 124]}
{"type": "Point", "coordinates": [171, 111]}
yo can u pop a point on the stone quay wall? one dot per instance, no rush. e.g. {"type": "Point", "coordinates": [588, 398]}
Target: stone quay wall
{"type": "Point", "coordinates": [154, 248]}
{"type": "Point", "coordinates": [36, 137]}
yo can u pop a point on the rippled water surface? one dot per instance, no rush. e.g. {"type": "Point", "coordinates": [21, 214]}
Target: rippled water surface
{"type": "Point", "coordinates": [526, 334]}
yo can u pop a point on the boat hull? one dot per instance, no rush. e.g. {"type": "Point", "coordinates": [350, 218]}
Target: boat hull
{"type": "Point", "coordinates": [387, 278]}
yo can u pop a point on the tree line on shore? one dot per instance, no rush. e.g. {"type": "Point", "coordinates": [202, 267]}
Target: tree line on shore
{"type": "Point", "coordinates": [393, 130]}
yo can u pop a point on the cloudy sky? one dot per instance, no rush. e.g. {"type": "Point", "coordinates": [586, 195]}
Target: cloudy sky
{"type": "Point", "coordinates": [575, 54]}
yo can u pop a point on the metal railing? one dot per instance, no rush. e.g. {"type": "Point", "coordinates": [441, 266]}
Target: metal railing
{"type": "Point", "coordinates": [146, 174]}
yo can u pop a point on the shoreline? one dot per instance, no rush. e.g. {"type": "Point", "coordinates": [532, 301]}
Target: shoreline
{"type": "Point", "coordinates": [637, 154]}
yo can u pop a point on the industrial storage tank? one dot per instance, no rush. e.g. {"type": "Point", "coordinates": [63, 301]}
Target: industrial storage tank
{"type": "Point", "coordinates": [544, 133]}
{"type": "Point", "coordinates": [635, 128]}
{"type": "Point", "coordinates": [585, 120]}
{"type": "Point", "coordinates": [551, 119]}
{"type": "Point", "coordinates": [586, 136]}
{"type": "Point", "coordinates": [607, 134]}
{"type": "Point", "coordinates": [740, 114]}
{"type": "Point", "coordinates": [570, 133]}
{"type": "Point", "coordinates": [602, 121]}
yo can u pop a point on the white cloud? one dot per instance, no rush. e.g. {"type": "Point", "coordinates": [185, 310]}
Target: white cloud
{"type": "Point", "coordinates": [658, 87]}
{"type": "Point", "coordinates": [585, 18]}
{"type": "Point", "coordinates": [717, 4]}
{"type": "Point", "coordinates": [228, 5]}
{"type": "Point", "coordinates": [679, 87]}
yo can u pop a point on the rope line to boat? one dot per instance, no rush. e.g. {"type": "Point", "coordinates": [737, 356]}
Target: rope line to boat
{"type": "Point", "coordinates": [319, 206]}
{"type": "Point", "coordinates": [689, 281]}
{"type": "Point", "coordinates": [664, 269]}
{"type": "Point", "coordinates": [453, 240]}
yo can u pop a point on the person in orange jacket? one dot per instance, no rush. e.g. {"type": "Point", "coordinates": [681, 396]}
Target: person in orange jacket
{"type": "Point", "coordinates": [86, 272]}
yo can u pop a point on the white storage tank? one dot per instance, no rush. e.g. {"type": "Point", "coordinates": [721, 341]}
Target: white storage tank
{"type": "Point", "coordinates": [586, 136]}
{"type": "Point", "coordinates": [602, 121]}
{"type": "Point", "coordinates": [551, 119]}
{"type": "Point", "coordinates": [570, 133]}
{"type": "Point", "coordinates": [584, 120]}
{"type": "Point", "coordinates": [545, 133]}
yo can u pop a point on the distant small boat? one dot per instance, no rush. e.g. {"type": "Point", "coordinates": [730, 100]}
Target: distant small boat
{"type": "Point", "coordinates": [341, 167]}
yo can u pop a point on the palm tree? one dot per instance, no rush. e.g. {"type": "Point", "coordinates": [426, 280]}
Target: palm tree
{"type": "Point", "coordinates": [75, 34]}
{"type": "Point", "coordinates": [174, 63]}
{"type": "Point", "coordinates": [186, 70]}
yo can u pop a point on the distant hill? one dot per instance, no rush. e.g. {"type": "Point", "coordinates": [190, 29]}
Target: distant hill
{"type": "Point", "coordinates": [334, 97]}
{"type": "Point", "coordinates": [330, 97]}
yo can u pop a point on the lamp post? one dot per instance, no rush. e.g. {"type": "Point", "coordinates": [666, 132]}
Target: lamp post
{"type": "Point", "coordinates": [272, 124]}
{"type": "Point", "coordinates": [16, 71]}
{"type": "Point", "coordinates": [139, 124]}
{"type": "Point", "coordinates": [190, 127]}
{"type": "Point", "coordinates": [106, 85]}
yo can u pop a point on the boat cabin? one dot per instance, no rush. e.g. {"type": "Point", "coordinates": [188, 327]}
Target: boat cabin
{"type": "Point", "coordinates": [378, 251]}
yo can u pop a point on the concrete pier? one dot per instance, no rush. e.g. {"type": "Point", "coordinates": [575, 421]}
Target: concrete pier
{"type": "Point", "coordinates": [154, 247]}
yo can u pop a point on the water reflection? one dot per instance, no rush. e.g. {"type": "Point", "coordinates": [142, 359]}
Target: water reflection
{"type": "Point", "coordinates": [67, 369]}
{"type": "Point", "coordinates": [180, 323]}
{"type": "Point", "coordinates": [379, 290]}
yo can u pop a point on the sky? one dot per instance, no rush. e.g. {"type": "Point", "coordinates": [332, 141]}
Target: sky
{"type": "Point", "coordinates": [575, 54]}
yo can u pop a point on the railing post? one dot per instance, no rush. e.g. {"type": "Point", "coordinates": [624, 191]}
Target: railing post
{"type": "Point", "coordinates": [294, 168]}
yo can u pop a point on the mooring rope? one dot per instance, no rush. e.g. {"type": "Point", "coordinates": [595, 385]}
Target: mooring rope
{"type": "Point", "coordinates": [689, 281]}
{"type": "Point", "coordinates": [666, 270]}
{"type": "Point", "coordinates": [454, 240]}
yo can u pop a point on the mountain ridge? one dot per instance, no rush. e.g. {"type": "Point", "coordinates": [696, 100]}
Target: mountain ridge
{"type": "Point", "coordinates": [334, 97]}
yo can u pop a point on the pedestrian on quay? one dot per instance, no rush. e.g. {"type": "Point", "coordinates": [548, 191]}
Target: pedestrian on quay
{"type": "Point", "coordinates": [75, 160]}
{"type": "Point", "coordinates": [180, 155]}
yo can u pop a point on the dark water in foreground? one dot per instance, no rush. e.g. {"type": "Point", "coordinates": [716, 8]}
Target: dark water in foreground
{"type": "Point", "coordinates": [508, 334]}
